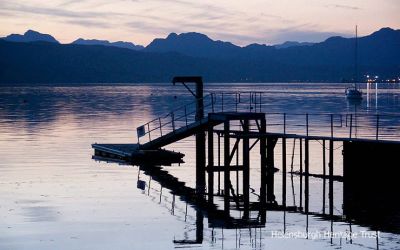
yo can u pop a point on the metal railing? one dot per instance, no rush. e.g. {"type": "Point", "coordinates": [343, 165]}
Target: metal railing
{"type": "Point", "coordinates": [347, 125]}
{"type": "Point", "coordinates": [344, 125]}
{"type": "Point", "coordinates": [213, 103]}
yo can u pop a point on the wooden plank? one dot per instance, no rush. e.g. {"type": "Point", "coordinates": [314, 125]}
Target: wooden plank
{"type": "Point", "coordinates": [123, 150]}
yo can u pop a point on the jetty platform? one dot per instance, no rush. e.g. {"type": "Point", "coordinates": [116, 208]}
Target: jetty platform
{"type": "Point", "coordinates": [227, 126]}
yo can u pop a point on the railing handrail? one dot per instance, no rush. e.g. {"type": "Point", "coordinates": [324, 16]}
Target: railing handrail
{"type": "Point", "coordinates": [254, 101]}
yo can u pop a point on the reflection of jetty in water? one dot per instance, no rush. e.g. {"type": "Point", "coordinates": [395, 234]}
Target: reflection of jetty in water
{"type": "Point", "coordinates": [369, 178]}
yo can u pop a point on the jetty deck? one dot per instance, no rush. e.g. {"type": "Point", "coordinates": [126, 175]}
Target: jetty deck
{"type": "Point", "coordinates": [132, 153]}
{"type": "Point", "coordinates": [233, 123]}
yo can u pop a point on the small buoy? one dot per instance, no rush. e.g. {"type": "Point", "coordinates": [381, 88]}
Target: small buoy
{"type": "Point", "coordinates": [175, 97]}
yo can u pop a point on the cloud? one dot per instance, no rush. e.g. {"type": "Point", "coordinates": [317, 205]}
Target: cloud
{"type": "Point", "coordinates": [341, 6]}
{"type": "Point", "coordinates": [90, 23]}
{"type": "Point", "coordinates": [13, 7]}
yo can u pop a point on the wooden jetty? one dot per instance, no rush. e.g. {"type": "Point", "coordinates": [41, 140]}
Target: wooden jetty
{"type": "Point", "coordinates": [232, 124]}
{"type": "Point", "coordinates": [132, 153]}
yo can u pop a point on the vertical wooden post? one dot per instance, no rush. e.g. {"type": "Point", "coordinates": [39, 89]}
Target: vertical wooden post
{"type": "Point", "coordinates": [200, 140]}
{"type": "Point", "coordinates": [284, 172]}
{"type": "Point", "coordinates": [246, 169]}
{"type": "Point", "coordinates": [270, 169]}
{"type": "Point", "coordinates": [306, 177]}
{"type": "Point", "coordinates": [324, 176]}
{"type": "Point", "coordinates": [226, 167]}
{"type": "Point", "coordinates": [219, 163]}
{"type": "Point", "coordinates": [301, 172]}
{"type": "Point", "coordinates": [210, 165]}
{"type": "Point", "coordinates": [199, 226]}
{"type": "Point", "coordinates": [331, 177]}
{"type": "Point", "coordinates": [200, 162]}
{"type": "Point", "coordinates": [263, 151]}
{"type": "Point", "coordinates": [237, 171]}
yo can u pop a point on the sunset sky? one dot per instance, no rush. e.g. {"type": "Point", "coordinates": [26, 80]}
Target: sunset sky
{"type": "Point", "coordinates": [241, 22]}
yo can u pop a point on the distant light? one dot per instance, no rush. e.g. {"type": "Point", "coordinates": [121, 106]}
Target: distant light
{"type": "Point", "coordinates": [367, 76]}
{"type": "Point", "coordinates": [376, 77]}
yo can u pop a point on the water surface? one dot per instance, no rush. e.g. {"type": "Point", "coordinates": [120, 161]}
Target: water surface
{"type": "Point", "coordinates": [54, 196]}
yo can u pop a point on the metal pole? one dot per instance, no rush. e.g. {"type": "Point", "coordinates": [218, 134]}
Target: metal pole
{"type": "Point", "coordinates": [148, 129]}
{"type": "Point", "coordinates": [307, 125]}
{"type": "Point", "coordinates": [284, 123]}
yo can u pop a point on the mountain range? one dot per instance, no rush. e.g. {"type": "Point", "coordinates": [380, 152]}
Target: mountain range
{"type": "Point", "coordinates": [40, 58]}
{"type": "Point", "coordinates": [119, 44]}
{"type": "Point", "coordinates": [30, 36]}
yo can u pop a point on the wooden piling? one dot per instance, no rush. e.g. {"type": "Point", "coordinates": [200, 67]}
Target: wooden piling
{"type": "Point", "coordinates": [210, 165]}
{"type": "Point", "coordinates": [271, 141]}
{"type": "Point", "coordinates": [306, 175]}
{"type": "Point", "coordinates": [284, 172]}
{"type": "Point", "coordinates": [219, 163]}
{"type": "Point", "coordinates": [226, 167]}
{"type": "Point", "coordinates": [263, 167]}
{"type": "Point", "coordinates": [331, 177]}
{"type": "Point", "coordinates": [324, 176]}
{"type": "Point", "coordinates": [246, 169]}
{"type": "Point", "coordinates": [301, 172]}
{"type": "Point", "coordinates": [200, 162]}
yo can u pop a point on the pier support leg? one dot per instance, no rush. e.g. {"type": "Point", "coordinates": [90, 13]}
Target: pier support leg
{"type": "Point", "coordinates": [227, 181]}
{"type": "Point", "coordinates": [284, 172]}
{"type": "Point", "coordinates": [324, 176]}
{"type": "Point", "coordinates": [200, 162]}
{"type": "Point", "coordinates": [219, 163]}
{"type": "Point", "coordinates": [263, 151]}
{"type": "Point", "coordinates": [199, 226]}
{"type": "Point", "coordinates": [301, 173]}
{"type": "Point", "coordinates": [210, 165]}
{"type": "Point", "coordinates": [271, 142]}
{"type": "Point", "coordinates": [331, 178]}
{"type": "Point", "coordinates": [246, 170]}
{"type": "Point", "coordinates": [306, 175]}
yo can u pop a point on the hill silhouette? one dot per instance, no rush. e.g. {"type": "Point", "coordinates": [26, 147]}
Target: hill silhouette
{"type": "Point", "coordinates": [30, 36]}
{"type": "Point", "coordinates": [119, 44]}
{"type": "Point", "coordinates": [193, 53]}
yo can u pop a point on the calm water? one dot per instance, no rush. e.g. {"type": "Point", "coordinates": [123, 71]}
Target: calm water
{"type": "Point", "coordinates": [54, 196]}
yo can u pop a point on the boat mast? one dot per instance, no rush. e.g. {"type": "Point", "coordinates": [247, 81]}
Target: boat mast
{"type": "Point", "coordinates": [356, 61]}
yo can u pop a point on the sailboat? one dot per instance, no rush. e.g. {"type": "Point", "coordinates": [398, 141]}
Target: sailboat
{"type": "Point", "coordinates": [353, 92]}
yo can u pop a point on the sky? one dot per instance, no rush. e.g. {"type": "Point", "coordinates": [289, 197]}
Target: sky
{"type": "Point", "coordinates": [239, 21]}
